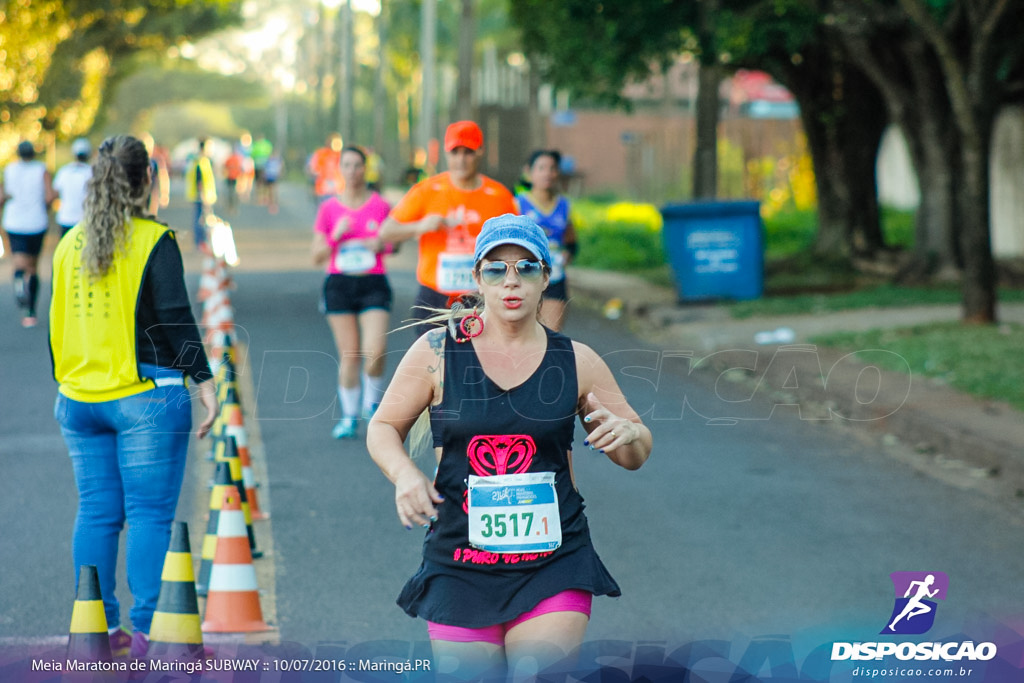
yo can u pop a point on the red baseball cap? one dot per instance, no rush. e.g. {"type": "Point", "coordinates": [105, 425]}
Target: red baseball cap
{"type": "Point", "coordinates": [463, 134]}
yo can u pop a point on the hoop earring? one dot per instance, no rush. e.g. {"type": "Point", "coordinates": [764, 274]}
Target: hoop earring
{"type": "Point", "coordinates": [471, 326]}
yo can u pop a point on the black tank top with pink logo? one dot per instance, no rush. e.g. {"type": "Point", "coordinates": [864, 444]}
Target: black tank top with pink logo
{"type": "Point", "coordinates": [484, 430]}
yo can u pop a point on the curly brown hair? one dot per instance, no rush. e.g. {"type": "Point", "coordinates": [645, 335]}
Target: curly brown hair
{"type": "Point", "coordinates": [117, 192]}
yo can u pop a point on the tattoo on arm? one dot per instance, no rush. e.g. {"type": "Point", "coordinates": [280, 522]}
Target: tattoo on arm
{"type": "Point", "coordinates": [436, 341]}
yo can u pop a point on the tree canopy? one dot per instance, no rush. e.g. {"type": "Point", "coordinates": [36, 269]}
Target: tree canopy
{"type": "Point", "coordinates": [58, 56]}
{"type": "Point", "coordinates": [940, 69]}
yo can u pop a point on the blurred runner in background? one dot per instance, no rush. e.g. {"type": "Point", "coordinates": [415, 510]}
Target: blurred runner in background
{"type": "Point", "coordinates": [549, 208]}
{"type": "Point", "coordinates": [234, 167]}
{"type": "Point", "coordinates": [324, 167]}
{"type": "Point", "coordinates": [70, 185]}
{"type": "Point", "coordinates": [445, 213]}
{"type": "Point", "coordinates": [26, 193]}
{"type": "Point", "coordinates": [201, 190]}
{"type": "Point", "coordinates": [357, 296]}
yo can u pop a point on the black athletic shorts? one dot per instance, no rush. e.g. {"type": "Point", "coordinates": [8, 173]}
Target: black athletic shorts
{"type": "Point", "coordinates": [355, 293]}
{"type": "Point", "coordinates": [557, 291]}
{"type": "Point", "coordinates": [31, 244]}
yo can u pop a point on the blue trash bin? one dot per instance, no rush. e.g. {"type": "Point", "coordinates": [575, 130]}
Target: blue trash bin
{"type": "Point", "coordinates": [715, 249]}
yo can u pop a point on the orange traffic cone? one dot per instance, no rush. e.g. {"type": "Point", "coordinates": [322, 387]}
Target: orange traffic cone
{"type": "Point", "coordinates": [218, 316]}
{"type": "Point", "coordinates": [209, 280]}
{"type": "Point", "coordinates": [175, 633]}
{"type": "Point", "coordinates": [222, 355]}
{"type": "Point", "coordinates": [236, 428]}
{"type": "Point", "coordinates": [221, 483]}
{"type": "Point", "coordinates": [233, 601]}
{"type": "Point", "coordinates": [88, 640]}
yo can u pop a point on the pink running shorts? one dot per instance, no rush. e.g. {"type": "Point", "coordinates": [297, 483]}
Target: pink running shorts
{"type": "Point", "coordinates": [566, 601]}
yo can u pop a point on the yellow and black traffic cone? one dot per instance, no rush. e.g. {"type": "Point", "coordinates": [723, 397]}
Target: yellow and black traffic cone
{"type": "Point", "coordinates": [175, 632]}
{"type": "Point", "coordinates": [217, 433]}
{"type": "Point", "coordinates": [221, 351]}
{"type": "Point", "coordinates": [231, 456]}
{"type": "Point", "coordinates": [226, 371]}
{"type": "Point", "coordinates": [227, 394]}
{"type": "Point", "coordinates": [88, 640]}
{"type": "Point", "coordinates": [221, 482]}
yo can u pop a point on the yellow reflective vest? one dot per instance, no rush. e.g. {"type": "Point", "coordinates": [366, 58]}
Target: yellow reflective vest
{"type": "Point", "coordinates": [209, 188]}
{"type": "Point", "coordinates": [92, 321]}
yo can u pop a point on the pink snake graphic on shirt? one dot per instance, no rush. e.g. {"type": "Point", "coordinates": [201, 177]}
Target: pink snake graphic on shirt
{"type": "Point", "coordinates": [491, 454]}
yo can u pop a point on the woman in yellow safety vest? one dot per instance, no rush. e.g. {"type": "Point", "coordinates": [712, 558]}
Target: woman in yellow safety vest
{"type": "Point", "coordinates": [123, 340]}
{"type": "Point", "coordinates": [201, 190]}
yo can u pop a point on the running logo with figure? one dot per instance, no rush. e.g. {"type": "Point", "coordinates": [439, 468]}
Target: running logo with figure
{"type": "Point", "coordinates": [914, 611]}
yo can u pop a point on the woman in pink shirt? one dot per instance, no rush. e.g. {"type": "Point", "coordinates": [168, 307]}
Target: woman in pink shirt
{"type": "Point", "coordinates": [357, 297]}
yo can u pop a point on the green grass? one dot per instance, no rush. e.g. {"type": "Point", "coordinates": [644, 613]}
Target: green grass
{"type": "Point", "coordinates": [980, 360]}
{"type": "Point", "coordinates": [788, 233]}
{"type": "Point", "coordinates": [880, 296]}
{"type": "Point", "coordinates": [791, 233]}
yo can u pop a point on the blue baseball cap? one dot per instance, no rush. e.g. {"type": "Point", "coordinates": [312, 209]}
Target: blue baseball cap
{"type": "Point", "coordinates": [508, 228]}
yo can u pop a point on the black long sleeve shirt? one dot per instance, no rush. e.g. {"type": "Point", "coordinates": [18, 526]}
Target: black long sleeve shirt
{"type": "Point", "coordinates": [165, 328]}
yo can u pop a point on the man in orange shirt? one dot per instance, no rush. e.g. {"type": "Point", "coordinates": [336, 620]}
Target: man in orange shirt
{"type": "Point", "coordinates": [233, 168]}
{"type": "Point", "coordinates": [445, 212]}
{"type": "Point", "coordinates": [325, 167]}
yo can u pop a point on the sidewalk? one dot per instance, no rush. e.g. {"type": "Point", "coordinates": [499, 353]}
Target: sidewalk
{"type": "Point", "coordinates": [964, 440]}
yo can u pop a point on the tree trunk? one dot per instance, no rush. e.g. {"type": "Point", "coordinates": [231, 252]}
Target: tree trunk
{"type": "Point", "coordinates": [861, 126]}
{"type": "Point", "coordinates": [979, 285]}
{"type": "Point", "coordinates": [346, 73]}
{"type": "Point", "coordinates": [428, 96]}
{"type": "Point", "coordinates": [709, 79]}
{"type": "Point", "coordinates": [935, 155]}
{"type": "Point", "coordinates": [843, 118]}
{"type": "Point", "coordinates": [705, 156]}
{"type": "Point", "coordinates": [927, 123]}
{"type": "Point", "coordinates": [380, 93]}
{"type": "Point", "coordinates": [467, 40]}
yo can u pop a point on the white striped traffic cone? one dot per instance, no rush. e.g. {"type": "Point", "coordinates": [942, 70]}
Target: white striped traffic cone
{"type": "Point", "coordinates": [233, 600]}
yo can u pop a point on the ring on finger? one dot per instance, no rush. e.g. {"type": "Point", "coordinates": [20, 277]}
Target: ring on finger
{"type": "Point", "coordinates": [614, 435]}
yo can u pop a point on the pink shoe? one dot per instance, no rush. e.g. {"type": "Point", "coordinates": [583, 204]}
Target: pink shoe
{"type": "Point", "coordinates": [29, 321]}
{"type": "Point", "coordinates": [140, 645]}
{"type": "Point", "coordinates": [120, 643]}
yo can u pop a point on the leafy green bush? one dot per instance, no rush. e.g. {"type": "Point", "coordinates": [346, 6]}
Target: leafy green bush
{"type": "Point", "coordinates": [898, 227]}
{"type": "Point", "coordinates": [789, 232]}
{"type": "Point", "coordinates": [618, 236]}
{"type": "Point", "coordinates": [619, 246]}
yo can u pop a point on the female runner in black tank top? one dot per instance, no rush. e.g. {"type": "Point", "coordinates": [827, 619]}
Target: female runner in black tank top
{"type": "Point", "coordinates": [502, 408]}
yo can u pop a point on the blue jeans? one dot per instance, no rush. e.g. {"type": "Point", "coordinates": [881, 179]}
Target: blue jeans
{"type": "Point", "coordinates": [199, 225]}
{"type": "Point", "coordinates": [129, 461]}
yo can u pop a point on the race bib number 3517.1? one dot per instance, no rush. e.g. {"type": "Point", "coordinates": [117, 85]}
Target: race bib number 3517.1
{"type": "Point", "coordinates": [514, 513]}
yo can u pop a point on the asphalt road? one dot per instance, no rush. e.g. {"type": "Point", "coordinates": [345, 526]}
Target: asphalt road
{"type": "Point", "coordinates": [731, 530]}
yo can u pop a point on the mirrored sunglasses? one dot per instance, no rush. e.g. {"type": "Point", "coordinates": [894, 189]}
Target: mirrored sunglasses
{"type": "Point", "coordinates": [529, 270]}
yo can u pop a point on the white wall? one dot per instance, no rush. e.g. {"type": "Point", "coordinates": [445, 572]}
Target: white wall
{"type": "Point", "coordinates": [897, 180]}
{"type": "Point", "coordinates": [1007, 188]}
